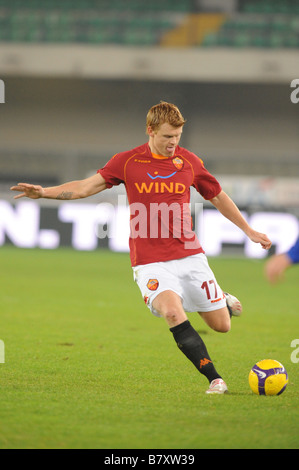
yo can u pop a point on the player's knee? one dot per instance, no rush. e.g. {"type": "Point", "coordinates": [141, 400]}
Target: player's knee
{"type": "Point", "coordinates": [173, 315]}
{"type": "Point", "coordinates": [218, 320]}
{"type": "Point", "coordinates": [222, 325]}
{"type": "Point", "coordinates": [169, 305]}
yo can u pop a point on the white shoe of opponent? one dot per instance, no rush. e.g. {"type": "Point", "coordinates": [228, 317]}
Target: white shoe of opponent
{"type": "Point", "coordinates": [233, 304]}
{"type": "Point", "coordinates": [217, 386]}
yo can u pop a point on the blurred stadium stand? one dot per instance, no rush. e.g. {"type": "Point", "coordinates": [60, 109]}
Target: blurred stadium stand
{"type": "Point", "coordinates": [81, 74]}
{"type": "Point", "coordinates": [262, 23]}
{"type": "Point", "coordinates": [90, 21]}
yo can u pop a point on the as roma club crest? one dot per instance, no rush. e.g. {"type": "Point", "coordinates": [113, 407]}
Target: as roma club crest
{"type": "Point", "coordinates": [178, 163]}
{"type": "Point", "coordinates": [152, 284]}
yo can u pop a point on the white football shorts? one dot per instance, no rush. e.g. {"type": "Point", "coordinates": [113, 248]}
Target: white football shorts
{"type": "Point", "coordinates": [191, 278]}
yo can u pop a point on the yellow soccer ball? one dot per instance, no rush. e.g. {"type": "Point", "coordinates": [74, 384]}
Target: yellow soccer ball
{"type": "Point", "coordinates": [268, 377]}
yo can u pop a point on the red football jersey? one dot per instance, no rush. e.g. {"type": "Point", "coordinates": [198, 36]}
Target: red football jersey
{"type": "Point", "coordinates": [158, 190]}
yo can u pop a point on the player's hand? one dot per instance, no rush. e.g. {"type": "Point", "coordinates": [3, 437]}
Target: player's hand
{"type": "Point", "coordinates": [260, 238]}
{"type": "Point", "coordinates": [32, 191]}
{"type": "Point", "coordinates": [276, 266]}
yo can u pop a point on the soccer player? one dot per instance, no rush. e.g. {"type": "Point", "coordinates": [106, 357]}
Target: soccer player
{"type": "Point", "coordinates": [168, 262]}
{"type": "Point", "coordinates": [278, 264]}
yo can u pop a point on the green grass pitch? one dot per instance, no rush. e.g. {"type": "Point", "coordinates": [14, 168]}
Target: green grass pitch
{"type": "Point", "coordinates": [88, 366]}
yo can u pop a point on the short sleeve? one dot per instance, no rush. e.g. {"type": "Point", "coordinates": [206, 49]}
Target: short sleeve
{"type": "Point", "coordinates": [205, 183]}
{"type": "Point", "coordinates": [113, 171]}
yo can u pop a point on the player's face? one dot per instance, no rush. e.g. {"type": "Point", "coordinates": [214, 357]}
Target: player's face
{"type": "Point", "coordinates": [165, 139]}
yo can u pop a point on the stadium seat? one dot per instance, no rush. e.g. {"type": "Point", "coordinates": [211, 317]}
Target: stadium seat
{"type": "Point", "coordinates": [255, 23]}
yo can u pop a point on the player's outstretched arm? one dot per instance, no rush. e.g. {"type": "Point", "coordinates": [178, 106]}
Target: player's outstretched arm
{"type": "Point", "coordinates": [71, 190]}
{"type": "Point", "coordinates": [228, 208]}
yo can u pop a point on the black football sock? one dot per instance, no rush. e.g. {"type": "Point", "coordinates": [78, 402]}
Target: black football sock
{"type": "Point", "coordinates": [191, 344]}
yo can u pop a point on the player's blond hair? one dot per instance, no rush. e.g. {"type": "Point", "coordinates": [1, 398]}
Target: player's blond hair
{"type": "Point", "coordinates": [164, 112]}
